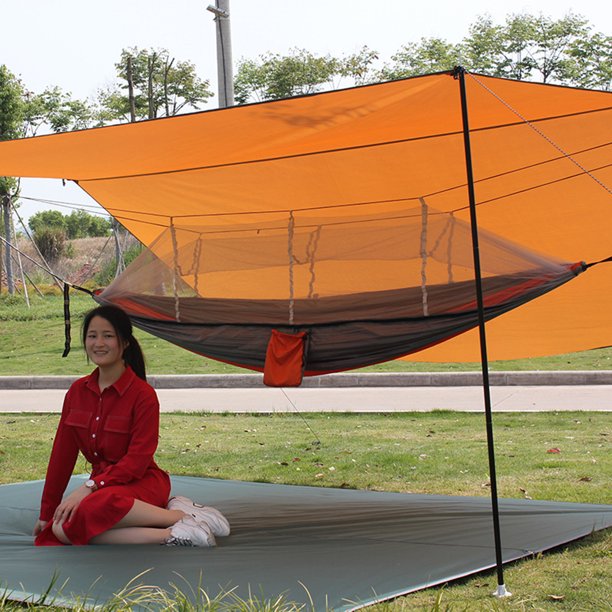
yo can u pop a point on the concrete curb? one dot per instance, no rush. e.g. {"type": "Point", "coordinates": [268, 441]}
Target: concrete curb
{"type": "Point", "coordinates": [383, 379]}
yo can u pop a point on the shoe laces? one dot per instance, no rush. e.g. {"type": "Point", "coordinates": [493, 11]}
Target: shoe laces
{"type": "Point", "coordinates": [175, 541]}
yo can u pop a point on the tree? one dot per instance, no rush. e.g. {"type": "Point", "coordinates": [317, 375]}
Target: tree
{"type": "Point", "coordinates": [56, 108]}
{"type": "Point", "coordinates": [592, 61]}
{"type": "Point", "coordinates": [98, 226]}
{"type": "Point", "coordinates": [550, 41]}
{"type": "Point", "coordinates": [428, 55]}
{"type": "Point", "coordinates": [23, 113]}
{"type": "Point", "coordinates": [359, 66]}
{"type": "Point", "coordinates": [12, 111]}
{"type": "Point", "coordinates": [483, 50]}
{"type": "Point", "coordinates": [153, 85]}
{"type": "Point", "coordinates": [80, 224]}
{"type": "Point", "coordinates": [529, 47]}
{"type": "Point", "coordinates": [273, 76]}
{"type": "Point", "coordinates": [45, 219]}
{"type": "Point", "coordinates": [524, 47]}
{"type": "Point", "coordinates": [12, 114]}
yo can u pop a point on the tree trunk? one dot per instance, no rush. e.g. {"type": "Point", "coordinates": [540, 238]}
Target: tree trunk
{"type": "Point", "coordinates": [167, 69]}
{"type": "Point", "coordinates": [8, 263]}
{"type": "Point", "coordinates": [151, 69]}
{"type": "Point", "coordinates": [20, 264]}
{"type": "Point", "coordinates": [1, 259]}
{"type": "Point", "coordinates": [130, 80]}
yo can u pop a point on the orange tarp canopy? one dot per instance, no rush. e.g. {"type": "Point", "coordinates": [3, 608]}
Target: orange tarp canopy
{"type": "Point", "coordinates": [542, 163]}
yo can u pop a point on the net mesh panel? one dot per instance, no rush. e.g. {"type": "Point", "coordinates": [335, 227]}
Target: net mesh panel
{"type": "Point", "coordinates": [323, 256]}
{"type": "Point", "coordinates": [369, 286]}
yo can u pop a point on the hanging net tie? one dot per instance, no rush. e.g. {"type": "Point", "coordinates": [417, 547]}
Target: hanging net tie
{"type": "Point", "coordinates": [177, 312]}
{"type": "Point", "coordinates": [197, 254]}
{"type": "Point", "coordinates": [424, 256]}
{"type": "Point", "coordinates": [290, 230]}
{"type": "Point", "coordinates": [311, 249]}
{"type": "Point", "coordinates": [449, 267]}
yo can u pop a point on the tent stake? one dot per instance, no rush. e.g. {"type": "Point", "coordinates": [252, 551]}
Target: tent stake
{"type": "Point", "coordinates": [501, 589]}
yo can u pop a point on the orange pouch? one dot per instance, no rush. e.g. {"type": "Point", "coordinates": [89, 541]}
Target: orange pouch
{"type": "Point", "coordinates": [285, 355]}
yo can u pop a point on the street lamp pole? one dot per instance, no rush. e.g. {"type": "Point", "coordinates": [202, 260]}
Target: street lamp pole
{"type": "Point", "coordinates": [225, 72]}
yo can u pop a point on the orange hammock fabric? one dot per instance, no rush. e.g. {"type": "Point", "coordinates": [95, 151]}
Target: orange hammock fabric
{"type": "Point", "coordinates": [369, 158]}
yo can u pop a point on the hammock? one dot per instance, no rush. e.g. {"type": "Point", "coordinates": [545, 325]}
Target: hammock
{"type": "Point", "coordinates": [344, 292]}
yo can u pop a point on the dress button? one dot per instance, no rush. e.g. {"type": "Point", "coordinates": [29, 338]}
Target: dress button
{"type": "Point", "coordinates": [101, 483]}
{"type": "Point", "coordinates": [97, 418]}
{"type": "Point", "coordinates": [95, 454]}
{"type": "Point", "coordinates": [93, 435]}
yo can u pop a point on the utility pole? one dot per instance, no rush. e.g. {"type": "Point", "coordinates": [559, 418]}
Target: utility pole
{"type": "Point", "coordinates": [225, 71]}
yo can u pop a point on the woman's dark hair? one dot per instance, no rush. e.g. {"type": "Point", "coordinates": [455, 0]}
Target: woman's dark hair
{"type": "Point", "coordinates": [132, 355]}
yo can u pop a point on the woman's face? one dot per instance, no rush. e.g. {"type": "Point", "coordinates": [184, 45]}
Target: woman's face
{"type": "Point", "coordinates": [102, 344]}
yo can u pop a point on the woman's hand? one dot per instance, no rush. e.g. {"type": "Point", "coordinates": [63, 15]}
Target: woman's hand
{"type": "Point", "coordinates": [67, 508]}
{"type": "Point", "coordinates": [39, 526]}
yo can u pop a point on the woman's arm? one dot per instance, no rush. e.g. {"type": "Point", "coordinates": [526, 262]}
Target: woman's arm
{"type": "Point", "coordinates": [39, 526]}
{"type": "Point", "coordinates": [61, 463]}
{"type": "Point", "coordinates": [69, 505]}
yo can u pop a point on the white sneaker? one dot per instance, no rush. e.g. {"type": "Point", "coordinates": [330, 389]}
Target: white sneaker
{"type": "Point", "coordinates": [215, 520]}
{"type": "Point", "coordinates": [189, 532]}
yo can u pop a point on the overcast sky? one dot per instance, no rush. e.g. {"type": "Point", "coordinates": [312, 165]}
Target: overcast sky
{"type": "Point", "coordinates": [75, 43]}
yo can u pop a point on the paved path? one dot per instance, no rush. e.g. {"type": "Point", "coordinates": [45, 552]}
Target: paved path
{"type": "Point", "coordinates": [518, 398]}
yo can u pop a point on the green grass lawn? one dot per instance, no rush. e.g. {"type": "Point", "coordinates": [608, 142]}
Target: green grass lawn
{"type": "Point", "coordinates": [437, 453]}
{"type": "Point", "coordinates": [32, 342]}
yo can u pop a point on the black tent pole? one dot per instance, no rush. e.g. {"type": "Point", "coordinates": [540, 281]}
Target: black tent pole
{"type": "Point", "coordinates": [501, 588]}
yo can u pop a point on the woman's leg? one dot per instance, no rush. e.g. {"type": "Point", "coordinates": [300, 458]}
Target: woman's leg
{"type": "Point", "coordinates": [143, 514]}
{"type": "Point", "coordinates": [143, 524]}
{"type": "Point", "coordinates": [133, 535]}
{"type": "Point", "coordinates": [148, 524]}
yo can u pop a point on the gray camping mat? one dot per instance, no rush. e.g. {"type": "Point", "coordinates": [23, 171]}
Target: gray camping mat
{"type": "Point", "coordinates": [339, 547]}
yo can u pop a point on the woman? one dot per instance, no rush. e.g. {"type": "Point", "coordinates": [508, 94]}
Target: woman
{"type": "Point", "coordinates": [112, 417]}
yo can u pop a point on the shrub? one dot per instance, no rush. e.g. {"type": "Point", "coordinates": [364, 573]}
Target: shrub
{"type": "Point", "coordinates": [51, 242]}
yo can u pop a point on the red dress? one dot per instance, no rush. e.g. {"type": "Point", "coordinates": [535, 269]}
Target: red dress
{"type": "Point", "coordinates": [117, 432]}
